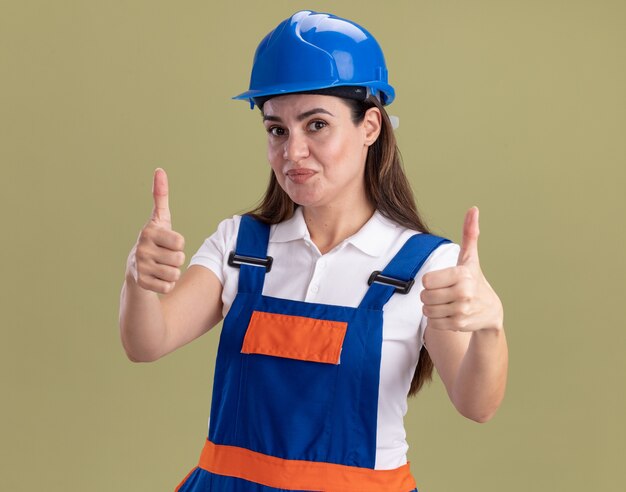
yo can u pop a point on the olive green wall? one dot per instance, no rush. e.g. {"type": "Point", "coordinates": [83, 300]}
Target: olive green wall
{"type": "Point", "coordinates": [518, 107]}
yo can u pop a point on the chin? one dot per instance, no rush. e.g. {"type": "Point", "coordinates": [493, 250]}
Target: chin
{"type": "Point", "coordinates": [303, 202]}
{"type": "Point", "coordinates": [304, 199]}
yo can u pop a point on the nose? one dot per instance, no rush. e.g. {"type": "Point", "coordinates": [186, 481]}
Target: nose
{"type": "Point", "coordinates": [296, 148]}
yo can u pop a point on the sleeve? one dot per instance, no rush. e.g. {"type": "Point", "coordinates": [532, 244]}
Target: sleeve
{"type": "Point", "coordinates": [214, 251]}
{"type": "Point", "coordinates": [444, 256]}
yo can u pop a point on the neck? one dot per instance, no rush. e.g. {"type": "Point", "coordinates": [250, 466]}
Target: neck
{"type": "Point", "coordinates": [330, 225]}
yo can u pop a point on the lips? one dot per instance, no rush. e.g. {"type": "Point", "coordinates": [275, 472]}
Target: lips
{"type": "Point", "coordinates": [300, 175]}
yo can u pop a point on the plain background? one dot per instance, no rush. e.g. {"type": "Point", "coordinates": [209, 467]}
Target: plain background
{"type": "Point", "coordinates": [518, 107]}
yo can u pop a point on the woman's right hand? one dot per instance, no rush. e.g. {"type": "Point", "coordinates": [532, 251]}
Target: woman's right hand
{"type": "Point", "coordinates": [155, 260]}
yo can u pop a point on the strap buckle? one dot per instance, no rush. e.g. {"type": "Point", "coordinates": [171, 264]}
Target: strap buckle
{"type": "Point", "coordinates": [402, 286]}
{"type": "Point", "coordinates": [235, 260]}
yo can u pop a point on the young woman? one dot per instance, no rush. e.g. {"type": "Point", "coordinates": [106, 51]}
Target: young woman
{"type": "Point", "coordinates": [336, 300]}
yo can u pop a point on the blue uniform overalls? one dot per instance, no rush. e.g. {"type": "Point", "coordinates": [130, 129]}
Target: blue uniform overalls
{"type": "Point", "coordinates": [295, 395]}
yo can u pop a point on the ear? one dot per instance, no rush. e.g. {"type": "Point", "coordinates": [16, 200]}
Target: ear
{"type": "Point", "coordinates": [371, 124]}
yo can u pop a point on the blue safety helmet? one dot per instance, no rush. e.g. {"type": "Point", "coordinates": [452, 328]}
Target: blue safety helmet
{"type": "Point", "coordinates": [316, 52]}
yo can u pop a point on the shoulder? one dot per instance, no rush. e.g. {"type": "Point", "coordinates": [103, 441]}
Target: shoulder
{"type": "Point", "coordinates": [228, 228]}
{"type": "Point", "coordinates": [444, 256]}
{"type": "Point", "coordinates": [216, 247]}
{"type": "Point", "coordinates": [391, 233]}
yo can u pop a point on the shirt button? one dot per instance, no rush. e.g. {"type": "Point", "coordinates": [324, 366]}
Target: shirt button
{"type": "Point", "coordinates": [314, 289]}
{"type": "Point", "coordinates": [322, 263]}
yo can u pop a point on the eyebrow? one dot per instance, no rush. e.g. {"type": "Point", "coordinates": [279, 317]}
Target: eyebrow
{"type": "Point", "coordinates": [300, 117]}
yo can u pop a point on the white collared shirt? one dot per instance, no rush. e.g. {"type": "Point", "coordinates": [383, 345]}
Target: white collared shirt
{"type": "Point", "coordinates": [300, 272]}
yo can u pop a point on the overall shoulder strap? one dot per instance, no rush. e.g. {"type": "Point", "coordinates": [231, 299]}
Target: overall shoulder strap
{"type": "Point", "coordinates": [399, 274]}
{"type": "Point", "coordinates": [250, 255]}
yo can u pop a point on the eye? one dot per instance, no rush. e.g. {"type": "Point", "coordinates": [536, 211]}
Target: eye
{"type": "Point", "coordinates": [276, 131]}
{"type": "Point", "coordinates": [317, 125]}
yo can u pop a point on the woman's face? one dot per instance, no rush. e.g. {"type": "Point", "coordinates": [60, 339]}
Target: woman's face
{"type": "Point", "coordinates": [315, 150]}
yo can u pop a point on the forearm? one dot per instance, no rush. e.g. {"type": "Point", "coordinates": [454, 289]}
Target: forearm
{"type": "Point", "coordinates": [481, 379]}
{"type": "Point", "coordinates": [142, 324]}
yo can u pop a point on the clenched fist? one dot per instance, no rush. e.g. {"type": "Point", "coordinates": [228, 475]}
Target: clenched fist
{"type": "Point", "coordinates": [155, 260]}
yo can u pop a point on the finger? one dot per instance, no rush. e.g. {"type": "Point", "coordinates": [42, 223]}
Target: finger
{"type": "Point", "coordinates": [450, 323]}
{"type": "Point", "coordinates": [168, 257]}
{"type": "Point", "coordinates": [166, 273]}
{"type": "Point", "coordinates": [169, 239]}
{"type": "Point", "coordinates": [469, 243]}
{"type": "Point", "coordinates": [438, 311]}
{"type": "Point", "coordinates": [432, 297]}
{"type": "Point", "coordinates": [440, 279]}
{"type": "Point", "coordinates": [457, 308]}
{"type": "Point", "coordinates": [160, 194]}
{"type": "Point", "coordinates": [155, 284]}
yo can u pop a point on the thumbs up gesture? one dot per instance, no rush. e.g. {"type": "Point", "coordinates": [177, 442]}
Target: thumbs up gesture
{"type": "Point", "coordinates": [460, 298]}
{"type": "Point", "coordinates": [155, 260]}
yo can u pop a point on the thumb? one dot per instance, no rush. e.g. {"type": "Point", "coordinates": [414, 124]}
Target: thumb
{"type": "Point", "coordinates": [469, 243]}
{"type": "Point", "coordinates": [160, 193]}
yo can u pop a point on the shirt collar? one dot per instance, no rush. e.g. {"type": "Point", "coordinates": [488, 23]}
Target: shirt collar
{"type": "Point", "coordinates": [291, 229]}
{"type": "Point", "coordinates": [371, 239]}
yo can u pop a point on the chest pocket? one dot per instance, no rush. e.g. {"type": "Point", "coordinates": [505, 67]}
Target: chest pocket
{"type": "Point", "coordinates": [294, 337]}
{"type": "Point", "coordinates": [290, 367]}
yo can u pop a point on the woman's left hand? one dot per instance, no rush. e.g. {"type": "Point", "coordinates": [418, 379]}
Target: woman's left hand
{"type": "Point", "coordinates": [460, 298]}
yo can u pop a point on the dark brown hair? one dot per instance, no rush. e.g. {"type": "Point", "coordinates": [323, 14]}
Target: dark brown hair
{"type": "Point", "coordinates": [387, 188]}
